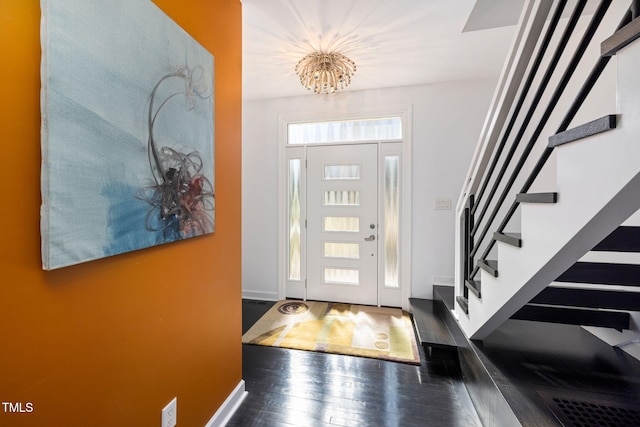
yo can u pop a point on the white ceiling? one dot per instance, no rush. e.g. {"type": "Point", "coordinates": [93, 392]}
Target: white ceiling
{"type": "Point", "coordinates": [393, 42]}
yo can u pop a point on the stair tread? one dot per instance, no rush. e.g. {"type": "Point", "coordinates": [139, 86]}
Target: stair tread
{"type": "Point", "coordinates": [514, 239]}
{"type": "Point", "coordinates": [463, 303]}
{"type": "Point", "coordinates": [537, 197]}
{"type": "Point", "coordinates": [431, 327]}
{"type": "Point", "coordinates": [446, 294]}
{"type": "Point", "coordinates": [620, 38]}
{"type": "Point", "coordinates": [490, 266]}
{"type": "Point", "coordinates": [516, 235]}
{"type": "Point", "coordinates": [594, 127]}
{"type": "Point", "coordinates": [474, 286]}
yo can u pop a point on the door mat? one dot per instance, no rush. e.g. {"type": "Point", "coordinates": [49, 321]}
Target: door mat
{"type": "Point", "coordinates": [356, 330]}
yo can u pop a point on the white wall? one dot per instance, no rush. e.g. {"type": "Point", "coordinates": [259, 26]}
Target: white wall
{"type": "Point", "coordinates": [447, 119]}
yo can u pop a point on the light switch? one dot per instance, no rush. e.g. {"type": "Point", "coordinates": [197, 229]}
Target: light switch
{"type": "Point", "coordinates": [443, 204]}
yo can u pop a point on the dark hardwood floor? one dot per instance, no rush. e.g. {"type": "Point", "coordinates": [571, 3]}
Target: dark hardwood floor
{"type": "Point", "coordinates": [563, 370]}
{"type": "Point", "coordinates": [548, 375]}
{"type": "Point", "coordinates": [301, 388]}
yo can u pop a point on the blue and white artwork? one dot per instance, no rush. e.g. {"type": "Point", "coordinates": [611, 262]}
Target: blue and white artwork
{"type": "Point", "coordinates": [127, 130]}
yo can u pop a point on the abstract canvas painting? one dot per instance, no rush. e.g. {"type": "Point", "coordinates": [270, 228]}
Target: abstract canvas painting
{"type": "Point", "coordinates": [127, 130]}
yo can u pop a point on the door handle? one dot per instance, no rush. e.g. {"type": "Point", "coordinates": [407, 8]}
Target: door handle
{"type": "Point", "coordinates": [370, 238]}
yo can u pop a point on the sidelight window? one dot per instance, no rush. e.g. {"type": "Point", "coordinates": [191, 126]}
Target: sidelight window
{"type": "Point", "coordinates": [295, 221]}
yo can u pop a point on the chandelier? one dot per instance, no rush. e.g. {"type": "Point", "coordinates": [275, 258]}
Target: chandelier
{"type": "Point", "coordinates": [325, 72]}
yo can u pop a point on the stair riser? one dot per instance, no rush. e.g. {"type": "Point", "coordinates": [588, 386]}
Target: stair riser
{"type": "Point", "coordinates": [623, 239]}
{"type": "Point", "coordinates": [591, 298]}
{"type": "Point", "coordinates": [615, 320]}
{"type": "Point", "coordinates": [601, 273]}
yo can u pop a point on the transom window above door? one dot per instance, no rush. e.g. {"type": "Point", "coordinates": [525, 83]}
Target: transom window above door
{"type": "Point", "coordinates": [378, 129]}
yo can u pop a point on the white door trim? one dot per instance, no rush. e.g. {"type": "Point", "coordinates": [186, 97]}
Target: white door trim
{"type": "Point", "coordinates": [407, 143]}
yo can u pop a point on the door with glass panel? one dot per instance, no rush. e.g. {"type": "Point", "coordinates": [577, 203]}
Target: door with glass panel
{"type": "Point", "coordinates": [342, 223]}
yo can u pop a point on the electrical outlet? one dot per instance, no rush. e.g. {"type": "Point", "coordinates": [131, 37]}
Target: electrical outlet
{"type": "Point", "coordinates": [169, 414]}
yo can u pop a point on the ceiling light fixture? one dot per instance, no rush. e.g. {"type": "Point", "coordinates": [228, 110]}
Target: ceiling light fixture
{"type": "Point", "coordinates": [325, 72]}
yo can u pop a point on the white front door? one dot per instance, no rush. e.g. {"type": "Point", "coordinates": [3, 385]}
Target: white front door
{"type": "Point", "coordinates": [342, 227]}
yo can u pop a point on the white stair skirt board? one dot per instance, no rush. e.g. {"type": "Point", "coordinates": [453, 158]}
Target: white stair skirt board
{"type": "Point", "coordinates": [229, 407]}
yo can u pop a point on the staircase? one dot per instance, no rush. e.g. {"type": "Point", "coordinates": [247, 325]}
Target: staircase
{"type": "Point", "coordinates": [607, 305]}
{"type": "Point", "coordinates": [551, 188]}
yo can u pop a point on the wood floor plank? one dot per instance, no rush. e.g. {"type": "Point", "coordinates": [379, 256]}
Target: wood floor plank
{"type": "Point", "coordinates": [303, 388]}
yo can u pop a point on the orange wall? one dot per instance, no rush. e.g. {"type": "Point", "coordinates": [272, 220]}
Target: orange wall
{"type": "Point", "coordinates": [110, 342]}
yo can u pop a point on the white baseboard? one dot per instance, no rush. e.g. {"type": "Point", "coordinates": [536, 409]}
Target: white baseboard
{"type": "Point", "coordinates": [444, 281]}
{"type": "Point", "coordinates": [259, 295]}
{"type": "Point", "coordinates": [229, 407]}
